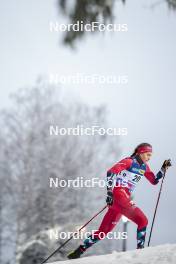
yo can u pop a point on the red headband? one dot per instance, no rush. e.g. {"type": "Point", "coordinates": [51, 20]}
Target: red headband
{"type": "Point", "coordinates": [144, 149]}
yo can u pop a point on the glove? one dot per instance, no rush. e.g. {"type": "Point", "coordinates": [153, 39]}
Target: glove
{"type": "Point", "coordinates": [109, 198]}
{"type": "Point", "coordinates": [166, 165]}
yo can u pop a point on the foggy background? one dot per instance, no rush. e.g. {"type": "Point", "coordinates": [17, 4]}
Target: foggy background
{"type": "Point", "coordinates": [146, 105]}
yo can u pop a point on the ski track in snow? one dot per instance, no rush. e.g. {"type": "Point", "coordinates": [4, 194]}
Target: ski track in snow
{"type": "Point", "coordinates": [153, 255]}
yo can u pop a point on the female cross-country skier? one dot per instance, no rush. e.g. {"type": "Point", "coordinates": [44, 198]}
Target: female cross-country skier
{"type": "Point", "coordinates": [125, 174]}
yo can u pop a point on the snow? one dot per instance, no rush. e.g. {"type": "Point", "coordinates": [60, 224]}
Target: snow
{"type": "Point", "coordinates": [162, 254]}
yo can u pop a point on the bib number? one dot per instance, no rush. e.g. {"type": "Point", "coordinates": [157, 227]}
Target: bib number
{"type": "Point", "coordinates": [136, 178]}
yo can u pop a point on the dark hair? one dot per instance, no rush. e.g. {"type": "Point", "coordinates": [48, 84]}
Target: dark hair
{"type": "Point", "coordinates": [140, 145]}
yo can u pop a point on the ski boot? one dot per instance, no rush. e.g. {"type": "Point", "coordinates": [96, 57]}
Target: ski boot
{"type": "Point", "coordinates": [140, 246]}
{"type": "Point", "coordinates": [76, 253]}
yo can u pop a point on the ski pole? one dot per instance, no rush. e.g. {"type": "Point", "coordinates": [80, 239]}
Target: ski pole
{"type": "Point", "coordinates": [62, 245]}
{"type": "Point", "coordinates": [156, 209]}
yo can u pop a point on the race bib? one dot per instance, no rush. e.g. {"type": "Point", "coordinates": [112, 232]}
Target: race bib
{"type": "Point", "coordinates": [128, 179]}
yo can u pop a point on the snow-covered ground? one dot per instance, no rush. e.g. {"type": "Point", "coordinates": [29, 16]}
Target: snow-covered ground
{"type": "Point", "coordinates": [153, 255]}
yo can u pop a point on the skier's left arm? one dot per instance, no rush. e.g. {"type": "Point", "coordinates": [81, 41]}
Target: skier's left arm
{"type": "Point", "coordinates": [151, 176]}
{"type": "Point", "coordinates": [154, 179]}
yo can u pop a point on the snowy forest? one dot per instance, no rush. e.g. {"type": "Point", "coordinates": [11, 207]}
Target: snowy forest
{"type": "Point", "coordinates": [30, 156]}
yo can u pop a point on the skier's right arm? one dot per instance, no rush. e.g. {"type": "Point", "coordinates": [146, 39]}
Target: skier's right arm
{"type": "Point", "coordinates": [116, 169]}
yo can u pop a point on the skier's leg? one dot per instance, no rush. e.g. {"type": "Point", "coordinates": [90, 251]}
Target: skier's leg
{"type": "Point", "coordinates": [138, 217]}
{"type": "Point", "coordinates": [131, 211]}
{"type": "Point", "coordinates": [108, 223]}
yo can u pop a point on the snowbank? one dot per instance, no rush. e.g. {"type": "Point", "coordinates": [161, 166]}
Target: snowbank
{"type": "Point", "coordinates": [155, 255]}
